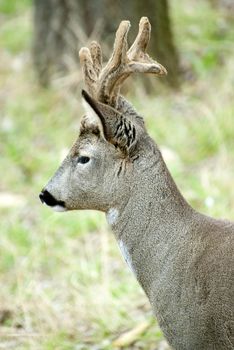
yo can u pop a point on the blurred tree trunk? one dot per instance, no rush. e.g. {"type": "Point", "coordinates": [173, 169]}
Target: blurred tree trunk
{"type": "Point", "coordinates": [62, 26]}
{"type": "Point", "coordinates": [162, 44]}
{"type": "Point", "coordinates": [227, 6]}
{"type": "Point", "coordinates": [53, 37]}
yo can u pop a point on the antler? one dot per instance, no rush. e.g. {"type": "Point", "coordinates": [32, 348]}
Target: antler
{"type": "Point", "coordinates": [104, 84]}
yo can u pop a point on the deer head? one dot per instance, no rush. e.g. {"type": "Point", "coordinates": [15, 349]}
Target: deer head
{"type": "Point", "coordinates": [98, 172]}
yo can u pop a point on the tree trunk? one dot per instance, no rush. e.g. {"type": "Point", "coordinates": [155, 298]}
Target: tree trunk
{"type": "Point", "coordinates": [161, 44]}
{"type": "Point", "coordinates": [55, 41]}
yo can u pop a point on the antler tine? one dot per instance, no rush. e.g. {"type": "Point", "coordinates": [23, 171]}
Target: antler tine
{"type": "Point", "coordinates": [141, 42]}
{"type": "Point", "coordinates": [113, 69]}
{"type": "Point", "coordinates": [89, 72]}
{"type": "Point", "coordinates": [139, 60]}
{"type": "Point", "coordinates": [120, 45]}
{"type": "Point", "coordinates": [96, 54]}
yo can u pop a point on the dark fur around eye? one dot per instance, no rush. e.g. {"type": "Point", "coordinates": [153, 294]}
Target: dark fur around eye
{"type": "Point", "coordinates": [83, 159]}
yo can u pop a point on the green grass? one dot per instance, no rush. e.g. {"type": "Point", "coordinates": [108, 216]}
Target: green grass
{"type": "Point", "coordinates": [14, 7]}
{"type": "Point", "coordinates": [62, 277]}
{"type": "Point", "coordinates": [15, 35]}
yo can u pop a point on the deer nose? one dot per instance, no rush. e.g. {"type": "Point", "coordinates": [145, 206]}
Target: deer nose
{"type": "Point", "coordinates": [47, 198]}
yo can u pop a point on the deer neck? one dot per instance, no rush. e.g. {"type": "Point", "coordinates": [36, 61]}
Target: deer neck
{"type": "Point", "coordinates": [152, 221]}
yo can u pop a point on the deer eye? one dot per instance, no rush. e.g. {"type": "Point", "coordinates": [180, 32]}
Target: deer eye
{"type": "Point", "coordinates": [83, 159]}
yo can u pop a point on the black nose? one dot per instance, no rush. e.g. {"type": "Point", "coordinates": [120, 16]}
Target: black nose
{"type": "Point", "coordinates": [48, 199]}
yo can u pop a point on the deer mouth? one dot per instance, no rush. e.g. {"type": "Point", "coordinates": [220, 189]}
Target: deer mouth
{"type": "Point", "coordinates": [47, 198]}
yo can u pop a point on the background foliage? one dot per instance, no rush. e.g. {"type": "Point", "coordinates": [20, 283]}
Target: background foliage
{"type": "Point", "coordinates": [64, 284]}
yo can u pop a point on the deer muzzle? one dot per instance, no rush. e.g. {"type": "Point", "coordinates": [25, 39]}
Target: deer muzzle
{"type": "Point", "coordinates": [47, 198]}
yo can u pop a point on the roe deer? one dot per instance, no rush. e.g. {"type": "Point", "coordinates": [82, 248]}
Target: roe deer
{"type": "Point", "coordinates": [183, 260]}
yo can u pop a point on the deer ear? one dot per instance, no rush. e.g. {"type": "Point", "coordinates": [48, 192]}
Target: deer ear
{"type": "Point", "coordinates": [92, 118]}
{"type": "Point", "coordinates": [114, 127]}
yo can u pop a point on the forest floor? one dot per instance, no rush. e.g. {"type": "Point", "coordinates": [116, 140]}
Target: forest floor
{"type": "Point", "coordinates": [64, 284]}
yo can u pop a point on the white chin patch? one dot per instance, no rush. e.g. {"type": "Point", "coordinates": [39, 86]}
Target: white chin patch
{"type": "Point", "coordinates": [59, 208]}
{"type": "Point", "coordinates": [112, 216]}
